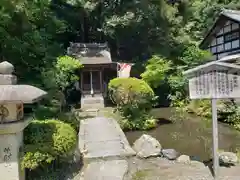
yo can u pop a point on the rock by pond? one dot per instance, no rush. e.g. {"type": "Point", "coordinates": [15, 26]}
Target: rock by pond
{"type": "Point", "coordinates": [170, 154]}
{"type": "Point", "coordinates": [228, 158]}
{"type": "Point", "coordinates": [183, 159]}
{"type": "Point", "coordinates": [147, 146]}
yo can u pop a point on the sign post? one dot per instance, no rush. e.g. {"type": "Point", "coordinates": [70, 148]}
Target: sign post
{"type": "Point", "coordinates": [214, 80]}
{"type": "Point", "coordinates": [215, 138]}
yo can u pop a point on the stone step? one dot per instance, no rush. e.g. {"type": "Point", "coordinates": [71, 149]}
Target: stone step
{"type": "Point", "coordinates": [89, 102]}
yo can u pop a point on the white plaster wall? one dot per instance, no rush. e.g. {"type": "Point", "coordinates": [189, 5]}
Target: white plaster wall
{"type": "Point", "coordinates": [9, 157]}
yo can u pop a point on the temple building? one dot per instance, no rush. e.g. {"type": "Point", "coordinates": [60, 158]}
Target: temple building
{"type": "Point", "coordinates": [223, 38]}
{"type": "Point", "coordinates": [98, 69]}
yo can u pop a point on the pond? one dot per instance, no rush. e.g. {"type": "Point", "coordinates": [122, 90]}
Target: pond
{"type": "Point", "coordinates": [191, 136]}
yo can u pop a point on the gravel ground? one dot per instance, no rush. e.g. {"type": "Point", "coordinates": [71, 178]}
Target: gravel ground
{"type": "Point", "coordinates": [162, 169]}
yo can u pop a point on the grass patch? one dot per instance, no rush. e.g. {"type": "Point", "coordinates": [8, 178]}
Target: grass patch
{"type": "Point", "coordinates": [140, 175]}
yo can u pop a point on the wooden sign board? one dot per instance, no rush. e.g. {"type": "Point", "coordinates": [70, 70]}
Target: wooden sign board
{"type": "Point", "coordinates": [214, 85]}
{"type": "Point", "coordinates": [214, 80]}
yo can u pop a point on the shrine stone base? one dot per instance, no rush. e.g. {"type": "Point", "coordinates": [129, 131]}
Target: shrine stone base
{"type": "Point", "coordinates": [10, 144]}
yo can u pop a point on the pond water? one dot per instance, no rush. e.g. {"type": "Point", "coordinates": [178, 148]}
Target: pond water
{"type": "Point", "coordinates": [191, 136]}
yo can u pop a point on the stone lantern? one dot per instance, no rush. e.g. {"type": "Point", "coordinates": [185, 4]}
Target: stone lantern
{"type": "Point", "coordinates": [12, 122]}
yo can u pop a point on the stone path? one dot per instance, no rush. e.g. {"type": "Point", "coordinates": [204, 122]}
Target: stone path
{"type": "Point", "coordinates": [106, 170]}
{"type": "Point", "coordinates": [101, 139]}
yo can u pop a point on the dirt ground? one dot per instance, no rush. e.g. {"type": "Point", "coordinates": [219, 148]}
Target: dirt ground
{"type": "Point", "coordinates": [163, 169]}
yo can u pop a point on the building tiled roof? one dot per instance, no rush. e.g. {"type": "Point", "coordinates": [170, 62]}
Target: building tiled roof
{"type": "Point", "coordinates": [226, 14]}
{"type": "Point", "coordinates": [232, 14]}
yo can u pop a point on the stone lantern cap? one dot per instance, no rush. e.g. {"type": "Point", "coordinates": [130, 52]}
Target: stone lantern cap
{"type": "Point", "coordinates": [25, 93]}
{"type": "Point", "coordinates": [6, 68]}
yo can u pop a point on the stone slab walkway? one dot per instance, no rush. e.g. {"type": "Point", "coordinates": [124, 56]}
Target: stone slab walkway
{"type": "Point", "coordinates": [102, 138]}
{"type": "Point", "coordinates": [106, 170]}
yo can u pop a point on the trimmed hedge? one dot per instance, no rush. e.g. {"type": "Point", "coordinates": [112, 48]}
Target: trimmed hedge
{"type": "Point", "coordinates": [132, 91]}
{"type": "Point", "coordinates": [47, 141]}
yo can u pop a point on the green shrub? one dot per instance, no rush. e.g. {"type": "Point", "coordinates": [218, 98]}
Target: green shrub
{"type": "Point", "coordinates": [69, 118]}
{"type": "Point", "coordinates": [131, 92]}
{"type": "Point", "coordinates": [44, 112]}
{"type": "Point", "coordinates": [200, 108]}
{"type": "Point", "coordinates": [134, 99]}
{"type": "Point", "coordinates": [47, 141]}
{"type": "Point", "coordinates": [60, 76]}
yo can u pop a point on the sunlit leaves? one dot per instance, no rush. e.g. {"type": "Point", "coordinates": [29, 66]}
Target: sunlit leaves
{"type": "Point", "coordinates": [62, 74]}
{"type": "Point", "coordinates": [156, 70]}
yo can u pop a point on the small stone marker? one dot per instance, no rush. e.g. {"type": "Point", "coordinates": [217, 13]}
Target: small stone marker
{"type": "Point", "coordinates": [12, 123]}
{"type": "Point", "coordinates": [214, 80]}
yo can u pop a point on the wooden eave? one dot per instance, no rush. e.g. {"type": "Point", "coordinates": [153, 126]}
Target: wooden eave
{"type": "Point", "coordinates": [222, 18]}
{"type": "Point", "coordinates": [211, 64]}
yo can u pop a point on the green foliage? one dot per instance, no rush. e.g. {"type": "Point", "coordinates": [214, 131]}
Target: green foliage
{"type": "Point", "coordinates": [131, 92]}
{"type": "Point", "coordinates": [230, 113]}
{"type": "Point", "coordinates": [134, 99]}
{"type": "Point", "coordinates": [29, 36]}
{"type": "Point", "coordinates": [47, 141]}
{"type": "Point", "coordinates": [65, 71]}
{"type": "Point", "coordinates": [201, 108]}
{"type": "Point", "coordinates": [69, 118]}
{"type": "Point", "coordinates": [193, 56]}
{"type": "Point", "coordinates": [63, 74]}
{"type": "Point", "coordinates": [44, 112]}
{"type": "Point", "coordinates": [143, 122]}
{"type": "Point", "coordinates": [156, 71]}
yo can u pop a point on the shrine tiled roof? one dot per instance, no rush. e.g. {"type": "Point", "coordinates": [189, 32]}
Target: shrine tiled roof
{"type": "Point", "coordinates": [90, 53]}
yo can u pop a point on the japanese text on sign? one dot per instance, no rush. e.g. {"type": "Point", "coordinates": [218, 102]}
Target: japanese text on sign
{"type": "Point", "coordinates": [214, 84]}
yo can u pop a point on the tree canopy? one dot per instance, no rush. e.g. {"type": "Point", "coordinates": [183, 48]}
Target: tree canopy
{"type": "Point", "coordinates": [34, 33]}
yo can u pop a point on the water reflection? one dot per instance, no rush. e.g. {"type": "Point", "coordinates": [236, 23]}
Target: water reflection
{"type": "Point", "coordinates": [191, 135]}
